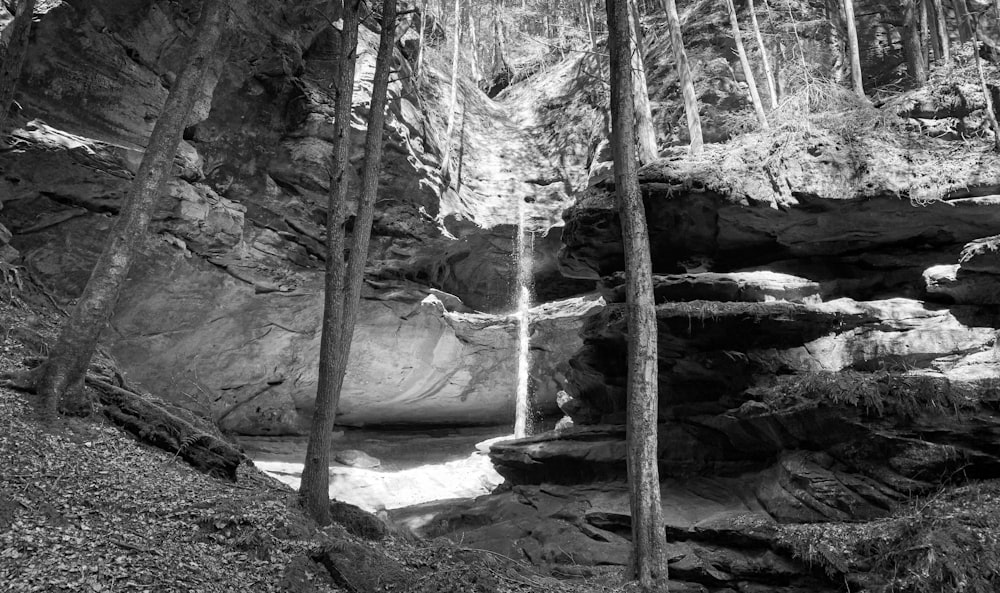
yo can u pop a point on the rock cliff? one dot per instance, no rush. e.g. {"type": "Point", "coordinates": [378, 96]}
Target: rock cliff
{"type": "Point", "coordinates": [221, 312]}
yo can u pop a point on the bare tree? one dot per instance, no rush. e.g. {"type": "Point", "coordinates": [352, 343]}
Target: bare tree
{"type": "Point", "coordinates": [453, 100]}
{"type": "Point", "coordinates": [765, 59]}
{"type": "Point", "coordinates": [421, 38]}
{"type": "Point", "coordinates": [741, 52]}
{"type": "Point", "coordinates": [644, 128]}
{"type": "Point", "coordinates": [648, 539]}
{"type": "Point", "coordinates": [314, 491]}
{"type": "Point", "coordinates": [61, 376]}
{"type": "Point", "coordinates": [12, 58]}
{"type": "Point", "coordinates": [852, 48]}
{"type": "Point", "coordinates": [913, 47]}
{"type": "Point", "coordinates": [686, 77]}
{"type": "Point", "coordinates": [941, 32]}
{"type": "Point", "coordinates": [990, 108]}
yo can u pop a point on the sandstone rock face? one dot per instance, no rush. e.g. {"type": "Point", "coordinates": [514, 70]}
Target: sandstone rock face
{"type": "Point", "coordinates": [827, 349]}
{"type": "Point", "coordinates": [222, 312]}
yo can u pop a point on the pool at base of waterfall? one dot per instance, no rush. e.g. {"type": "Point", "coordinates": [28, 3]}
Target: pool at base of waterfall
{"type": "Point", "coordinates": [415, 466]}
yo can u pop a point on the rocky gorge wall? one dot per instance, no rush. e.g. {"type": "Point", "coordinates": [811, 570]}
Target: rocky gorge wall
{"type": "Point", "coordinates": [827, 308]}
{"type": "Point", "coordinates": [221, 313]}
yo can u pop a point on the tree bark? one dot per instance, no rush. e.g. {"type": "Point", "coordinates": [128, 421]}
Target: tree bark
{"type": "Point", "coordinates": [941, 32]}
{"type": "Point", "coordinates": [369, 187]}
{"type": "Point", "coordinates": [645, 130]}
{"type": "Point", "coordinates": [853, 49]}
{"type": "Point", "coordinates": [453, 101]}
{"type": "Point", "coordinates": [314, 491]}
{"type": "Point", "coordinates": [686, 77]}
{"type": "Point", "coordinates": [648, 563]}
{"type": "Point", "coordinates": [421, 38]}
{"type": "Point", "coordinates": [12, 58]}
{"type": "Point", "coordinates": [965, 29]}
{"type": "Point", "coordinates": [473, 46]}
{"type": "Point", "coordinates": [63, 373]}
{"type": "Point", "coordinates": [913, 47]}
{"type": "Point", "coordinates": [741, 51]}
{"type": "Point", "coordinates": [990, 109]}
{"type": "Point", "coordinates": [765, 59]}
{"type": "Point", "coordinates": [499, 41]}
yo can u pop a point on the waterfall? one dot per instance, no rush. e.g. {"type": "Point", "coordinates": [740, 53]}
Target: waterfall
{"type": "Point", "coordinates": [523, 256]}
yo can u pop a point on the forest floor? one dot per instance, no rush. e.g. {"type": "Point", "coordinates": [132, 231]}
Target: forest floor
{"type": "Point", "coordinates": [86, 507]}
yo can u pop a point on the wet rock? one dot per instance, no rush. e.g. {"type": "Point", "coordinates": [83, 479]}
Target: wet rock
{"type": "Point", "coordinates": [355, 458]}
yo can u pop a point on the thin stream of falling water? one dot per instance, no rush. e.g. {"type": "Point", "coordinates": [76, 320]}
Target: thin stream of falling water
{"type": "Point", "coordinates": [525, 247]}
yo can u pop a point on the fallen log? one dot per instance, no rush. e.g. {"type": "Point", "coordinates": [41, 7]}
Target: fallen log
{"type": "Point", "coordinates": [153, 424]}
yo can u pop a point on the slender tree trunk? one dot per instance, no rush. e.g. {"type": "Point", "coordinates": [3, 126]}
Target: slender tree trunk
{"type": "Point", "coordinates": [499, 41]}
{"type": "Point", "coordinates": [964, 19]}
{"type": "Point", "coordinates": [474, 46]}
{"type": "Point", "coordinates": [649, 564]}
{"type": "Point", "coordinates": [941, 31]}
{"type": "Point", "coordinates": [453, 101]}
{"type": "Point", "coordinates": [913, 48]}
{"type": "Point", "coordinates": [686, 77]}
{"type": "Point", "coordinates": [923, 24]}
{"type": "Point", "coordinates": [990, 109]}
{"type": "Point", "coordinates": [314, 491]}
{"type": "Point", "coordinates": [12, 58]}
{"type": "Point", "coordinates": [772, 89]}
{"type": "Point", "coordinates": [644, 127]}
{"type": "Point", "coordinates": [421, 38]}
{"type": "Point", "coordinates": [741, 51]}
{"type": "Point", "coordinates": [63, 373]}
{"type": "Point", "coordinates": [932, 30]}
{"type": "Point", "coordinates": [853, 49]}
{"type": "Point", "coordinates": [369, 184]}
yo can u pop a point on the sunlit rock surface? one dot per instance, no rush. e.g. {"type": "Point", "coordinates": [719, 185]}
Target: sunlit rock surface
{"type": "Point", "coordinates": [222, 311]}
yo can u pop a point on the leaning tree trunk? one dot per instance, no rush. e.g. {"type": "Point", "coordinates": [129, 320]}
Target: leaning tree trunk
{"type": "Point", "coordinates": [314, 491]}
{"type": "Point", "coordinates": [941, 31]}
{"type": "Point", "coordinates": [62, 375]}
{"type": "Point", "coordinates": [913, 47]}
{"type": "Point", "coordinates": [12, 58]}
{"type": "Point", "coordinates": [765, 59]}
{"type": "Point", "coordinates": [648, 538]}
{"type": "Point", "coordinates": [741, 51]}
{"type": "Point", "coordinates": [644, 127]}
{"type": "Point", "coordinates": [853, 49]}
{"type": "Point", "coordinates": [686, 77]}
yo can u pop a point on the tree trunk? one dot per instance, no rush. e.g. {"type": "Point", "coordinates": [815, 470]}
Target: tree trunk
{"type": "Point", "coordinates": [853, 50]}
{"type": "Point", "coordinates": [965, 29]}
{"type": "Point", "coordinates": [941, 32]}
{"type": "Point", "coordinates": [473, 47]}
{"type": "Point", "coordinates": [765, 59]}
{"type": "Point", "coordinates": [453, 101]}
{"type": "Point", "coordinates": [741, 51]}
{"type": "Point", "coordinates": [12, 58]}
{"type": "Point", "coordinates": [421, 38]}
{"type": "Point", "coordinates": [686, 77]}
{"type": "Point", "coordinates": [369, 185]}
{"type": "Point", "coordinates": [990, 109]}
{"type": "Point", "coordinates": [63, 373]}
{"type": "Point", "coordinates": [645, 130]}
{"type": "Point", "coordinates": [499, 42]}
{"type": "Point", "coordinates": [314, 490]}
{"type": "Point", "coordinates": [913, 48]}
{"type": "Point", "coordinates": [648, 539]}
